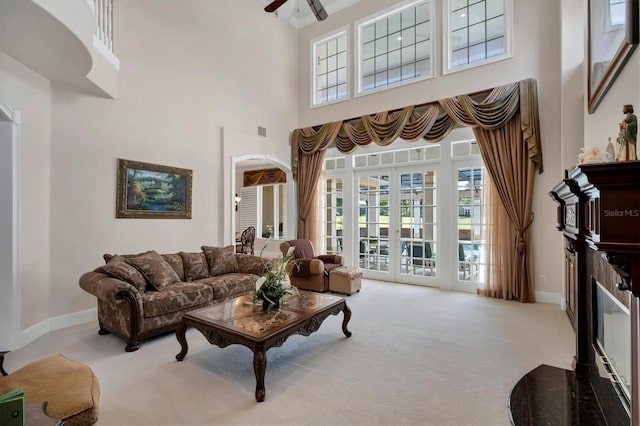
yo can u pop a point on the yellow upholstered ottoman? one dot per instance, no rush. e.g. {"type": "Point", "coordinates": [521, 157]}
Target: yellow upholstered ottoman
{"type": "Point", "coordinates": [69, 387]}
{"type": "Point", "coordinates": [345, 280]}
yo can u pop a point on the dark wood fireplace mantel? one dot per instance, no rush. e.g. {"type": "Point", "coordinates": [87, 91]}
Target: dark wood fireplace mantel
{"type": "Point", "coordinates": [599, 215]}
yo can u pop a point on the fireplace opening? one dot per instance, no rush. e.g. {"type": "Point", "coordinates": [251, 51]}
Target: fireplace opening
{"type": "Point", "coordinates": [612, 340]}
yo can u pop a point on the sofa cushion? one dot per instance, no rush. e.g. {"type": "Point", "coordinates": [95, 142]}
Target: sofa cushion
{"type": "Point", "coordinates": [155, 269]}
{"type": "Point", "coordinates": [175, 260]}
{"type": "Point", "coordinates": [195, 265]}
{"type": "Point", "coordinates": [118, 268]}
{"type": "Point", "coordinates": [175, 297]}
{"type": "Point", "coordinates": [221, 260]}
{"type": "Point", "coordinates": [230, 285]}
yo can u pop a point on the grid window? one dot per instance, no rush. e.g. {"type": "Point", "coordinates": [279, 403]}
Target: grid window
{"type": "Point", "coordinates": [477, 31]}
{"type": "Point", "coordinates": [330, 68]}
{"type": "Point", "coordinates": [396, 47]}
{"type": "Point", "coordinates": [331, 197]}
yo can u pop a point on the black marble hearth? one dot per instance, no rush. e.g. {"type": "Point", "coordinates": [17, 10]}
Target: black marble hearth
{"type": "Point", "coordinates": [553, 396]}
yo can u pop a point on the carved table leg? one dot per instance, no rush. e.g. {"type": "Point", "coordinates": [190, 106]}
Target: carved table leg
{"type": "Point", "coordinates": [345, 321]}
{"type": "Point", "coordinates": [4, 373]}
{"type": "Point", "coordinates": [180, 335]}
{"type": "Point", "coordinates": [259, 367]}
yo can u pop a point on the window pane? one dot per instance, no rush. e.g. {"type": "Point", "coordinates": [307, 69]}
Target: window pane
{"type": "Point", "coordinates": [381, 28]}
{"type": "Point", "coordinates": [342, 60]}
{"type": "Point", "coordinates": [408, 71]}
{"type": "Point", "coordinates": [368, 83]}
{"type": "Point", "coordinates": [381, 79]}
{"type": "Point", "coordinates": [458, 4]}
{"type": "Point", "coordinates": [342, 91]}
{"type": "Point", "coordinates": [476, 33]}
{"type": "Point", "coordinates": [394, 41]}
{"type": "Point", "coordinates": [331, 47]}
{"type": "Point", "coordinates": [332, 63]}
{"type": "Point", "coordinates": [423, 50]}
{"type": "Point", "coordinates": [321, 81]}
{"type": "Point", "coordinates": [332, 78]}
{"type": "Point", "coordinates": [368, 66]}
{"type": "Point", "coordinates": [459, 39]}
{"type": "Point", "coordinates": [394, 23]}
{"type": "Point", "coordinates": [332, 93]}
{"type": "Point", "coordinates": [477, 53]}
{"type": "Point", "coordinates": [495, 47]}
{"type": "Point", "coordinates": [381, 46]}
{"type": "Point", "coordinates": [495, 27]}
{"type": "Point", "coordinates": [394, 59]}
{"type": "Point", "coordinates": [381, 62]}
{"type": "Point", "coordinates": [368, 33]}
{"type": "Point", "coordinates": [321, 50]}
{"type": "Point", "coordinates": [459, 57]}
{"type": "Point", "coordinates": [495, 8]}
{"type": "Point", "coordinates": [423, 32]}
{"type": "Point", "coordinates": [322, 66]}
{"type": "Point", "coordinates": [422, 13]}
{"type": "Point", "coordinates": [394, 75]}
{"type": "Point", "coordinates": [476, 13]}
{"type": "Point", "coordinates": [423, 67]}
{"type": "Point", "coordinates": [408, 36]}
{"type": "Point", "coordinates": [408, 54]}
{"type": "Point", "coordinates": [322, 96]}
{"type": "Point", "coordinates": [342, 75]}
{"type": "Point", "coordinates": [459, 19]}
{"type": "Point", "coordinates": [408, 18]}
{"type": "Point", "coordinates": [368, 50]}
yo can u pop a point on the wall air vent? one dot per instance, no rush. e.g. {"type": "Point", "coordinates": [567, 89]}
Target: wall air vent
{"type": "Point", "coordinates": [262, 131]}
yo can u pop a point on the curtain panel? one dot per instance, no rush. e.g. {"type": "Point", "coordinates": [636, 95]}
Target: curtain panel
{"type": "Point", "coordinates": [511, 108]}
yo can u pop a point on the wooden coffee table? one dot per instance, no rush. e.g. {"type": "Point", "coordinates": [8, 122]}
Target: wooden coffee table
{"type": "Point", "coordinates": [239, 321]}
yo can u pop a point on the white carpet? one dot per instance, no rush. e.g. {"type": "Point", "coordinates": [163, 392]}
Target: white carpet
{"type": "Point", "coordinates": [418, 356]}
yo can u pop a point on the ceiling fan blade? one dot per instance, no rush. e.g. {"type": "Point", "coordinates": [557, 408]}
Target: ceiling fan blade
{"type": "Point", "coordinates": [274, 5]}
{"type": "Point", "coordinates": [317, 9]}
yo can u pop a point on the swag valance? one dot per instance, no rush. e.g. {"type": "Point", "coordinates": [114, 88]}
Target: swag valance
{"type": "Point", "coordinates": [506, 125]}
{"type": "Point", "coordinates": [431, 122]}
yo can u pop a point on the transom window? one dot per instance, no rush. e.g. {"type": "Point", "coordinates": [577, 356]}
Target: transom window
{"type": "Point", "coordinates": [329, 58]}
{"type": "Point", "coordinates": [395, 47]}
{"type": "Point", "coordinates": [477, 32]}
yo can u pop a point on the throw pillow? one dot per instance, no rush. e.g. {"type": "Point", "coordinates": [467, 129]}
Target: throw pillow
{"type": "Point", "coordinates": [220, 260]}
{"type": "Point", "coordinates": [155, 269]}
{"type": "Point", "coordinates": [175, 260]}
{"type": "Point", "coordinates": [195, 265]}
{"type": "Point", "coordinates": [118, 268]}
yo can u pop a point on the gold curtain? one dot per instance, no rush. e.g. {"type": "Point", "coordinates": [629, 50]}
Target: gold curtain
{"type": "Point", "coordinates": [511, 109]}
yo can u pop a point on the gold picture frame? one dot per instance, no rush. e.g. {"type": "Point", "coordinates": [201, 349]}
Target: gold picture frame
{"type": "Point", "coordinates": [612, 38]}
{"type": "Point", "coordinates": [152, 191]}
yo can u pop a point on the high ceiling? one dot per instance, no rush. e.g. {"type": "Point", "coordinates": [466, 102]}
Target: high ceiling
{"type": "Point", "coordinates": [298, 13]}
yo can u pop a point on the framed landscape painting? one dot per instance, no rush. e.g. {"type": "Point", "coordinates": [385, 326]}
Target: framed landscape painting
{"type": "Point", "coordinates": [152, 191]}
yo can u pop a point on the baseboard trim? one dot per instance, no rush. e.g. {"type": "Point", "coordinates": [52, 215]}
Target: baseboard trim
{"type": "Point", "coordinates": [547, 297]}
{"type": "Point", "coordinates": [36, 331]}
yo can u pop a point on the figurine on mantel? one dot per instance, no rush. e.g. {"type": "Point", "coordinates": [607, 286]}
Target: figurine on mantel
{"type": "Point", "coordinates": [590, 155]}
{"type": "Point", "coordinates": [626, 141]}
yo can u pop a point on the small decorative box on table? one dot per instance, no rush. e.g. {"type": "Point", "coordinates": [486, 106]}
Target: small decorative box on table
{"type": "Point", "coordinates": [345, 280]}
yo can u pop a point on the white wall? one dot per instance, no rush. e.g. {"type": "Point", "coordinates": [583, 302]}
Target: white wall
{"type": "Point", "coordinates": [536, 54]}
{"type": "Point", "coordinates": [30, 94]}
{"type": "Point", "coordinates": [188, 69]}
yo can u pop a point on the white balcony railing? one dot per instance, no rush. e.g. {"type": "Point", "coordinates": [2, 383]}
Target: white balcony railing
{"type": "Point", "coordinates": [104, 20]}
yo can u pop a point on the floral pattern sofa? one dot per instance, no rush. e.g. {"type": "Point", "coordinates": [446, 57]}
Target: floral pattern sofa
{"type": "Point", "coordinates": [143, 295]}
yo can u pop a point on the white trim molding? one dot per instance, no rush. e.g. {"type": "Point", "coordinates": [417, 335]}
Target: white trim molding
{"type": "Point", "coordinates": [56, 323]}
{"type": "Point", "coordinates": [548, 297]}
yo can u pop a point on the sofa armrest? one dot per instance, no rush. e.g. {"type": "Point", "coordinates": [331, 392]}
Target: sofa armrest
{"type": "Point", "coordinates": [307, 267]}
{"type": "Point", "coordinates": [109, 289]}
{"type": "Point", "coordinates": [331, 258]}
{"type": "Point", "coordinates": [249, 264]}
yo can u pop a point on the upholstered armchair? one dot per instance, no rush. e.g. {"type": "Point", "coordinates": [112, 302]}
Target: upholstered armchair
{"type": "Point", "coordinates": [311, 272]}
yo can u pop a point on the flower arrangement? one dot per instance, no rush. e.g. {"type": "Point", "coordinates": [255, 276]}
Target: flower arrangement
{"type": "Point", "coordinates": [270, 288]}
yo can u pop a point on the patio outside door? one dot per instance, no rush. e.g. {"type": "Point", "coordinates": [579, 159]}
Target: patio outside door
{"type": "Point", "coordinates": [397, 224]}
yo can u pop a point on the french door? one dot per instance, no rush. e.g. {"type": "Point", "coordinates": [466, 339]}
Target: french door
{"type": "Point", "coordinates": [397, 224]}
